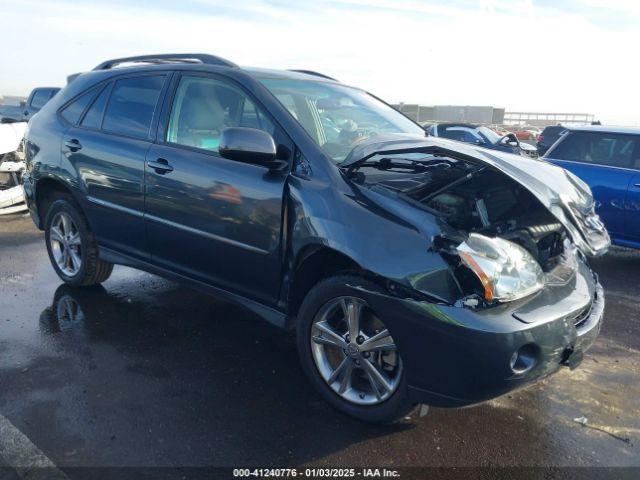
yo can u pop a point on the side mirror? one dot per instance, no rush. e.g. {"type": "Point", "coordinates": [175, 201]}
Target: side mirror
{"type": "Point", "coordinates": [248, 145]}
{"type": "Point", "coordinates": [509, 139]}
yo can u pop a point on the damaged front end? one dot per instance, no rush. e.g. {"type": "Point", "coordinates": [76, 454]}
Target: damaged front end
{"type": "Point", "coordinates": [12, 166]}
{"type": "Point", "coordinates": [515, 238]}
{"type": "Point", "coordinates": [508, 224]}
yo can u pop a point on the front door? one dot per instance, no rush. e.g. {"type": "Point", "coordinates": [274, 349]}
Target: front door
{"type": "Point", "coordinates": [210, 218]}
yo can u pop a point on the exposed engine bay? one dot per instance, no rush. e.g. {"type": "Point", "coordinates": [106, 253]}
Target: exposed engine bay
{"type": "Point", "coordinates": [494, 205]}
{"type": "Point", "coordinates": [471, 199]}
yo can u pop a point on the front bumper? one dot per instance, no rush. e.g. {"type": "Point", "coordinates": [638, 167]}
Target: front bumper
{"type": "Point", "coordinates": [529, 153]}
{"type": "Point", "coordinates": [455, 356]}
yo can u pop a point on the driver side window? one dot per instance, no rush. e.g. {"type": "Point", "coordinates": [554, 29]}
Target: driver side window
{"type": "Point", "coordinates": [203, 107]}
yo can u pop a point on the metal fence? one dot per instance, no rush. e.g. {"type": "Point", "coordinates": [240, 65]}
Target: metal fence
{"type": "Point", "coordinates": [543, 119]}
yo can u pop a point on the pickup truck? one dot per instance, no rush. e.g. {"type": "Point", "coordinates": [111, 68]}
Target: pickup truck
{"type": "Point", "coordinates": [22, 113]}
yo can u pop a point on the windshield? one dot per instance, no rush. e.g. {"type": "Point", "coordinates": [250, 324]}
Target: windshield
{"type": "Point", "coordinates": [489, 134]}
{"type": "Point", "coordinates": [338, 117]}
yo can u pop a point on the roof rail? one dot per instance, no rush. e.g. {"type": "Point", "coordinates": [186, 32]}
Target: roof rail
{"type": "Point", "coordinates": [168, 58]}
{"type": "Point", "coordinates": [316, 74]}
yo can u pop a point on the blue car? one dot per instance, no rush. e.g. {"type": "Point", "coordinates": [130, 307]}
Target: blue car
{"type": "Point", "coordinates": [608, 160]}
{"type": "Point", "coordinates": [483, 137]}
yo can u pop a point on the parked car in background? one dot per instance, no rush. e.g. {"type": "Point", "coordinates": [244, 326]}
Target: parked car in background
{"type": "Point", "coordinates": [528, 150]}
{"type": "Point", "coordinates": [499, 130]}
{"type": "Point", "coordinates": [527, 133]}
{"type": "Point", "coordinates": [481, 136]}
{"type": "Point", "coordinates": [10, 109]}
{"type": "Point", "coordinates": [413, 269]}
{"type": "Point", "coordinates": [548, 137]}
{"type": "Point", "coordinates": [608, 160]}
{"type": "Point", "coordinates": [36, 100]}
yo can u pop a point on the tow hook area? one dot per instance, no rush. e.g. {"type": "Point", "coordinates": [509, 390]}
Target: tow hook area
{"type": "Point", "coordinates": [571, 358]}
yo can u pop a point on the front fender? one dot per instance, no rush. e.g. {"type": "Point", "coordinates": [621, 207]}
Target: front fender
{"type": "Point", "coordinates": [379, 240]}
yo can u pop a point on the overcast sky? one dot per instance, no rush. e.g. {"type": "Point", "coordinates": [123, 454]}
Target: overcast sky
{"type": "Point", "coordinates": [531, 55]}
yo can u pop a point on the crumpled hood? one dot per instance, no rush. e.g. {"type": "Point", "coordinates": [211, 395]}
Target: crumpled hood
{"type": "Point", "coordinates": [567, 197]}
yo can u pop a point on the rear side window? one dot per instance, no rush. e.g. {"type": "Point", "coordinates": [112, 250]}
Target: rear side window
{"type": "Point", "coordinates": [40, 97]}
{"type": "Point", "coordinates": [93, 117]}
{"type": "Point", "coordinates": [71, 113]}
{"type": "Point", "coordinates": [131, 105]}
{"type": "Point", "coordinates": [609, 149]}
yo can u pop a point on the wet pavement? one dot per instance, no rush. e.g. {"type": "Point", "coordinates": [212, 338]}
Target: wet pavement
{"type": "Point", "coordinates": [145, 372]}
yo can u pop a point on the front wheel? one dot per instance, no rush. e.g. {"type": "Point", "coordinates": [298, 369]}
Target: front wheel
{"type": "Point", "coordinates": [72, 247]}
{"type": "Point", "coordinates": [349, 354]}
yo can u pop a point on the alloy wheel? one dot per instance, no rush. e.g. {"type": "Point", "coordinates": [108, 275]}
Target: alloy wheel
{"type": "Point", "coordinates": [354, 352]}
{"type": "Point", "coordinates": [68, 313]}
{"type": "Point", "coordinates": [66, 244]}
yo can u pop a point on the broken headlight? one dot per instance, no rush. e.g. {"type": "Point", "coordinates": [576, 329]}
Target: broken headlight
{"type": "Point", "coordinates": [506, 270]}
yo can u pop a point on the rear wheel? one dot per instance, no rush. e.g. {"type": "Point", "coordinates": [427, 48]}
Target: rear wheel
{"type": "Point", "coordinates": [349, 354]}
{"type": "Point", "coordinates": [72, 247]}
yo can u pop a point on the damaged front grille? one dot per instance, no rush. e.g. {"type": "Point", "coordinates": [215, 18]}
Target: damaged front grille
{"type": "Point", "coordinates": [583, 315]}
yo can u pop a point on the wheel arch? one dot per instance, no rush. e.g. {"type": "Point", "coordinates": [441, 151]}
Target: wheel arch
{"type": "Point", "coordinates": [47, 190]}
{"type": "Point", "coordinates": [314, 264]}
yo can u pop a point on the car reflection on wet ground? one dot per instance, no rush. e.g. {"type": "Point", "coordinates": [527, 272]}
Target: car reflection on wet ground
{"type": "Point", "coordinates": [144, 372]}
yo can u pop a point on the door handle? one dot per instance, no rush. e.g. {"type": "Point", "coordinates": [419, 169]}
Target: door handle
{"type": "Point", "coordinates": [73, 144]}
{"type": "Point", "coordinates": [637, 185]}
{"type": "Point", "coordinates": [160, 165]}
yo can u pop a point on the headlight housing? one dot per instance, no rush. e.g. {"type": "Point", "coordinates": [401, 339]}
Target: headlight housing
{"type": "Point", "coordinates": [506, 271]}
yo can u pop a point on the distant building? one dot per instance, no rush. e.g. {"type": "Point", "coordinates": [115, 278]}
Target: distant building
{"type": "Point", "coordinates": [488, 115]}
{"type": "Point", "coordinates": [11, 100]}
{"type": "Point", "coordinates": [452, 113]}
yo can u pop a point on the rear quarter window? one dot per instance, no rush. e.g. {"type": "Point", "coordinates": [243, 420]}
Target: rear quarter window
{"type": "Point", "coordinates": [72, 112]}
{"type": "Point", "coordinates": [93, 117]}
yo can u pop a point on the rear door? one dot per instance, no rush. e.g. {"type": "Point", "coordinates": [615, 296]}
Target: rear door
{"type": "Point", "coordinates": [604, 161]}
{"type": "Point", "coordinates": [210, 218]}
{"type": "Point", "coordinates": [107, 148]}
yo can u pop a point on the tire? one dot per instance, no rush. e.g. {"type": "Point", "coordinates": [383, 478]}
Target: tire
{"type": "Point", "coordinates": [74, 308]}
{"type": "Point", "coordinates": [319, 299]}
{"type": "Point", "coordinates": [91, 270]}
